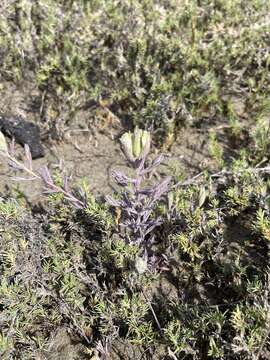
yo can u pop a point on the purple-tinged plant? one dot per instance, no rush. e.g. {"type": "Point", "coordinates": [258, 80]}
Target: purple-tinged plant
{"type": "Point", "coordinates": [137, 202]}
{"type": "Point", "coordinates": [43, 174]}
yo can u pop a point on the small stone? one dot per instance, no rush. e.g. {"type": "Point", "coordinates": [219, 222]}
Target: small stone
{"type": "Point", "coordinates": [23, 132]}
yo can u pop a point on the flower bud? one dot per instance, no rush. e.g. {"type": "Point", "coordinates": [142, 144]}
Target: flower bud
{"type": "Point", "coordinates": [145, 143]}
{"type": "Point", "coordinates": [137, 145]}
{"type": "Point", "coordinates": [126, 142]}
{"type": "Point", "coordinates": [137, 142]}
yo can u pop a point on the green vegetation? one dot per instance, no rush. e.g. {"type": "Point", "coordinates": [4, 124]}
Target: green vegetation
{"type": "Point", "coordinates": [154, 63]}
{"type": "Point", "coordinates": [199, 289]}
{"type": "Point", "coordinates": [70, 286]}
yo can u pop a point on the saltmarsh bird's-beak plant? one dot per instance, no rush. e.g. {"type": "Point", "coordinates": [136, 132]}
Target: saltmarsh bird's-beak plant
{"type": "Point", "coordinates": [138, 201]}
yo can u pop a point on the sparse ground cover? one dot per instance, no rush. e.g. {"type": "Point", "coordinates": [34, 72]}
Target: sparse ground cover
{"type": "Point", "coordinates": [195, 73]}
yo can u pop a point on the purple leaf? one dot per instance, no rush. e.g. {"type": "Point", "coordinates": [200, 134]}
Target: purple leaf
{"type": "Point", "coordinates": [28, 157]}
{"type": "Point", "coordinates": [146, 191]}
{"type": "Point", "coordinates": [66, 187]}
{"type": "Point", "coordinates": [45, 175]}
{"type": "Point", "coordinates": [157, 161]}
{"type": "Point", "coordinates": [162, 188]}
{"type": "Point", "coordinates": [121, 178]}
{"type": "Point", "coordinates": [13, 165]}
{"type": "Point", "coordinates": [112, 201]}
{"type": "Point", "coordinates": [155, 223]}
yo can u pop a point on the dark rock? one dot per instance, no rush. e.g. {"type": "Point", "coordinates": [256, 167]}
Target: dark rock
{"type": "Point", "coordinates": [23, 132]}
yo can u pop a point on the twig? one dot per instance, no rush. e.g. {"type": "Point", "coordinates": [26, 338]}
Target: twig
{"type": "Point", "coordinates": [42, 102]}
{"type": "Point", "coordinates": [153, 312]}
